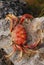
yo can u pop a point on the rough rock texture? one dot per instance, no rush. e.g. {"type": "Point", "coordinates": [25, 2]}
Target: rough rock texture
{"type": "Point", "coordinates": [3, 60]}
{"type": "Point", "coordinates": [5, 39]}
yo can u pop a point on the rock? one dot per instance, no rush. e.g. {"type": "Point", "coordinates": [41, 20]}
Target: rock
{"type": "Point", "coordinates": [6, 40]}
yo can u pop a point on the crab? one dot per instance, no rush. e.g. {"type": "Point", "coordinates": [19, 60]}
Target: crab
{"type": "Point", "coordinates": [19, 34]}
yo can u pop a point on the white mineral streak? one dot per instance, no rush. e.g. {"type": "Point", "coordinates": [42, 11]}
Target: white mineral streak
{"type": "Point", "coordinates": [32, 27]}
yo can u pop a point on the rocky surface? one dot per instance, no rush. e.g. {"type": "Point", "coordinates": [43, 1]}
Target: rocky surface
{"type": "Point", "coordinates": [16, 7]}
{"type": "Point", "coordinates": [3, 60]}
{"type": "Point", "coordinates": [5, 39]}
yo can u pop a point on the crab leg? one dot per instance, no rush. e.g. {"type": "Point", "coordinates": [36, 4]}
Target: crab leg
{"type": "Point", "coordinates": [20, 48]}
{"type": "Point", "coordinates": [21, 52]}
{"type": "Point", "coordinates": [31, 46]}
{"type": "Point", "coordinates": [29, 51]}
{"type": "Point", "coordinates": [12, 18]}
{"type": "Point", "coordinates": [25, 16]}
{"type": "Point", "coordinates": [7, 56]}
{"type": "Point", "coordinates": [20, 56]}
{"type": "Point", "coordinates": [11, 24]}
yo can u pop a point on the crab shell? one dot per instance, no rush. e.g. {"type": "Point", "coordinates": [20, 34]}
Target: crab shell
{"type": "Point", "coordinates": [19, 35]}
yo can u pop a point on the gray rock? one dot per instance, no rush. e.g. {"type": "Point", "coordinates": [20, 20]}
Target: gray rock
{"type": "Point", "coordinates": [5, 39]}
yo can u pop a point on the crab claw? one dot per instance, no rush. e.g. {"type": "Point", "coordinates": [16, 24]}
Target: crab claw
{"type": "Point", "coordinates": [25, 16]}
{"type": "Point", "coordinates": [13, 20]}
{"type": "Point", "coordinates": [34, 45]}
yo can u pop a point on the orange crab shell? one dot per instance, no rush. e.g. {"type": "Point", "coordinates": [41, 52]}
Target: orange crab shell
{"type": "Point", "coordinates": [19, 35]}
